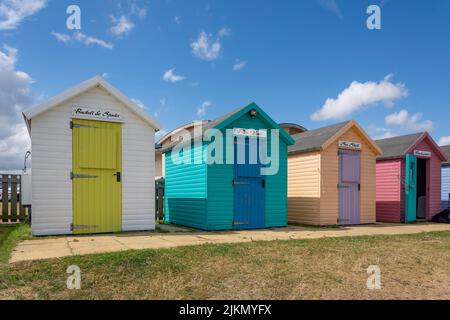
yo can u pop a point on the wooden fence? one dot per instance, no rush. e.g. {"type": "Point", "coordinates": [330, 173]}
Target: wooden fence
{"type": "Point", "coordinates": [11, 209]}
{"type": "Point", "coordinates": [159, 198]}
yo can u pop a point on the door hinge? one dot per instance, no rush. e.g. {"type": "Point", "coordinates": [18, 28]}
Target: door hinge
{"type": "Point", "coordinates": [263, 183]}
{"type": "Point", "coordinates": [359, 186]}
{"type": "Point", "coordinates": [236, 182]}
{"type": "Point", "coordinates": [79, 125]}
{"type": "Point", "coordinates": [240, 223]}
{"type": "Point", "coordinates": [81, 176]}
{"type": "Point", "coordinates": [78, 227]}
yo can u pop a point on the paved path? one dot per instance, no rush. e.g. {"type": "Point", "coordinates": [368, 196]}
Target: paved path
{"type": "Point", "coordinates": [79, 245]}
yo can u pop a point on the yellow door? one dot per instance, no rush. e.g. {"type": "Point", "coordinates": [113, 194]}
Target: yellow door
{"type": "Point", "coordinates": [96, 176]}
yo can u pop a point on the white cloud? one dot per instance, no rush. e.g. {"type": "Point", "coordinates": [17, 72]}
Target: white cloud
{"type": "Point", "coordinates": [331, 5]}
{"type": "Point", "coordinates": [359, 96]}
{"type": "Point", "coordinates": [14, 147]}
{"type": "Point", "coordinates": [121, 26]}
{"type": "Point", "coordinates": [12, 12]}
{"type": "Point", "coordinates": [105, 75]}
{"type": "Point", "coordinates": [123, 22]}
{"type": "Point", "coordinates": [201, 111]}
{"type": "Point", "coordinates": [444, 141]}
{"type": "Point", "coordinates": [177, 19]}
{"type": "Point", "coordinates": [224, 32]}
{"type": "Point", "coordinates": [136, 10]}
{"type": "Point", "coordinates": [81, 37]}
{"type": "Point", "coordinates": [205, 47]}
{"type": "Point", "coordinates": [386, 135]}
{"type": "Point", "coordinates": [239, 65]}
{"type": "Point", "coordinates": [407, 122]}
{"type": "Point", "coordinates": [170, 76]}
{"type": "Point", "coordinates": [88, 40]}
{"type": "Point", "coordinates": [163, 101]}
{"type": "Point", "coordinates": [138, 103]}
{"type": "Point", "coordinates": [15, 96]}
{"type": "Point", "coordinates": [62, 37]}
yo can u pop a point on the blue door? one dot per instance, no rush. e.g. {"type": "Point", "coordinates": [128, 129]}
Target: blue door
{"type": "Point", "coordinates": [249, 186]}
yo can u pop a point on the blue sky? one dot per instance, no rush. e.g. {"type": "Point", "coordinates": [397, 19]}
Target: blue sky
{"type": "Point", "coordinates": [312, 62]}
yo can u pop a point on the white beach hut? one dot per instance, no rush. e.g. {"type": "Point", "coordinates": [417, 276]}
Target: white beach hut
{"type": "Point", "coordinates": [93, 162]}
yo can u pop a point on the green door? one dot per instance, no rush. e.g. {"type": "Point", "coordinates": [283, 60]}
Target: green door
{"type": "Point", "coordinates": [96, 176]}
{"type": "Point", "coordinates": [411, 189]}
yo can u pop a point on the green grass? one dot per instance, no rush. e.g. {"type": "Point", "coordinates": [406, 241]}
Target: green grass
{"type": "Point", "coordinates": [412, 266]}
{"type": "Point", "coordinates": [10, 235]}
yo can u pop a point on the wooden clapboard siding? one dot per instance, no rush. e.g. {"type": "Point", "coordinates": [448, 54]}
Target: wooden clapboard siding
{"type": "Point", "coordinates": [186, 187]}
{"type": "Point", "coordinates": [445, 179]}
{"type": "Point", "coordinates": [304, 188]}
{"type": "Point", "coordinates": [388, 189]}
{"type": "Point", "coordinates": [52, 164]}
{"type": "Point", "coordinates": [329, 200]}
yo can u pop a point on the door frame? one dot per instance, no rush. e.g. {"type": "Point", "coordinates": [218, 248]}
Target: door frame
{"type": "Point", "coordinates": [340, 153]}
{"type": "Point", "coordinates": [410, 189]}
{"type": "Point", "coordinates": [119, 150]}
{"type": "Point", "coordinates": [261, 179]}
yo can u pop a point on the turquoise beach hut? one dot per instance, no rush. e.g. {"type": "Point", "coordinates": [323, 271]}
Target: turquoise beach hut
{"type": "Point", "coordinates": [233, 190]}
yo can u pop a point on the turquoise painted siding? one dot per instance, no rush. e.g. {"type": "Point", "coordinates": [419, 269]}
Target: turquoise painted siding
{"type": "Point", "coordinates": [202, 196]}
{"type": "Point", "coordinates": [220, 188]}
{"type": "Point", "coordinates": [276, 193]}
{"type": "Point", "coordinates": [445, 186]}
{"type": "Point", "coordinates": [220, 196]}
{"type": "Point", "coordinates": [186, 191]}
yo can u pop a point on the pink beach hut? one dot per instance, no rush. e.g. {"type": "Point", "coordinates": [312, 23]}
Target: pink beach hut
{"type": "Point", "coordinates": [408, 176]}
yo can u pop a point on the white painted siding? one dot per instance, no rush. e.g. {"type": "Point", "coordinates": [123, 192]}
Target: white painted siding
{"type": "Point", "coordinates": [52, 163]}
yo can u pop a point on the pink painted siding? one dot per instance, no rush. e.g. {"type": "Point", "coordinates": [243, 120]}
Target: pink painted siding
{"type": "Point", "coordinates": [434, 178]}
{"type": "Point", "coordinates": [391, 185]}
{"type": "Point", "coordinates": [389, 197]}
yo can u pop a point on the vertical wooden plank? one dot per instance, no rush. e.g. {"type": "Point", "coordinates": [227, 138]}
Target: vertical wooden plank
{"type": "Point", "coordinates": [163, 198]}
{"type": "Point", "coordinates": [14, 199]}
{"type": "Point", "coordinates": [22, 216]}
{"type": "Point", "coordinates": [156, 199]}
{"type": "Point", "coordinates": [5, 201]}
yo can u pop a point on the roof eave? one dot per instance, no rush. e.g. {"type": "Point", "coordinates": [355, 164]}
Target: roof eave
{"type": "Point", "coordinates": [84, 86]}
{"type": "Point", "coordinates": [283, 134]}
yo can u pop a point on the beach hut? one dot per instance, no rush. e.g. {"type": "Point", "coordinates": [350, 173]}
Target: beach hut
{"type": "Point", "coordinates": [167, 139]}
{"type": "Point", "coordinates": [292, 128]}
{"type": "Point", "coordinates": [331, 176]}
{"type": "Point", "coordinates": [445, 176]}
{"type": "Point", "coordinates": [241, 184]}
{"type": "Point", "coordinates": [93, 162]}
{"type": "Point", "coordinates": [409, 178]}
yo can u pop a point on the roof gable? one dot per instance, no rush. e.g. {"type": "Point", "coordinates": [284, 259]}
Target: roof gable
{"type": "Point", "coordinates": [398, 147]}
{"type": "Point", "coordinates": [96, 81]}
{"type": "Point", "coordinates": [426, 136]}
{"type": "Point", "coordinates": [225, 120]}
{"type": "Point", "coordinates": [321, 138]}
{"type": "Point", "coordinates": [446, 150]}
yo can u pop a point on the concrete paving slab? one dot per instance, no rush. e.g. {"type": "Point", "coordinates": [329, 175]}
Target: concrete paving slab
{"type": "Point", "coordinates": [80, 245]}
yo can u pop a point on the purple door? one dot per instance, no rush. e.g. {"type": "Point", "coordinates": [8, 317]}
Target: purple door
{"type": "Point", "coordinates": [349, 187]}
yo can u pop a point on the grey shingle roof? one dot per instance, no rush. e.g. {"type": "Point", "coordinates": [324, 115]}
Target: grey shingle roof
{"type": "Point", "coordinates": [397, 146]}
{"type": "Point", "coordinates": [314, 139]}
{"type": "Point", "coordinates": [208, 125]}
{"type": "Point", "coordinates": [446, 150]}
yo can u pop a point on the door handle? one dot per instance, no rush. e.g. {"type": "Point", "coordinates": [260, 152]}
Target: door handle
{"type": "Point", "coordinates": [118, 176]}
